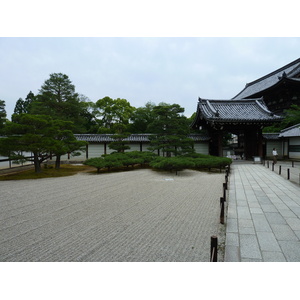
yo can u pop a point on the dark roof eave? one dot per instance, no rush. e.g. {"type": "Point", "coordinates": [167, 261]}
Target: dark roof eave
{"type": "Point", "coordinates": [259, 93]}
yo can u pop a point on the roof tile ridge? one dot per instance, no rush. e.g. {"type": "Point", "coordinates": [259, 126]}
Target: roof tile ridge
{"type": "Point", "coordinates": [274, 72]}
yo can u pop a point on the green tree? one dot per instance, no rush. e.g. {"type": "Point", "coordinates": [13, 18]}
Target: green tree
{"type": "Point", "coordinates": [141, 118]}
{"type": "Point", "coordinates": [170, 129]}
{"type": "Point", "coordinates": [57, 98]}
{"type": "Point", "coordinates": [2, 115]}
{"type": "Point", "coordinates": [24, 106]}
{"type": "Point", "coordinates": [27, 134]}
{"type": "Point", "coordinates": [19, 107]}
{"type": "Point", "coordinates": [291, 117]}
{"type": "Point", "coordinates": [113, 115]}
{"type": "Point", "coordinates": [64, 141]}
{"type": "Point", "coordinates": [40, 135]}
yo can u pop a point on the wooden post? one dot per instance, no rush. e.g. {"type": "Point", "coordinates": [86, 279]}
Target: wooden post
{"type": "Point", "coordinates": [222, 210]}
{"type": "Point", "coordinates": [288, 174]}
{"type": "Point", "coordinates": [280, 170]}
{"type": "Point", "coordinates": [224, 191]}
{"type": "Point", "coordinates": [87, 151]}
{"type": "Point", "coordinates": [213, 249]}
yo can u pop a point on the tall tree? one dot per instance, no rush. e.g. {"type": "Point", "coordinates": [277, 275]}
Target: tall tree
{"type": "Point", "coordinates": [2, 115]}
{"type": "Point", "coordinates": [58, 88]}
{"type": "Point", "coordinates": [57, 98]}
{"type": "Point", "coordinates": [170, 129]}
{"type": "Point", "coordinates": [142, 117]}
{"type": "Point", "coordinates": [24, 106]}
{"type": "Point", "coordinates": [113, 115]}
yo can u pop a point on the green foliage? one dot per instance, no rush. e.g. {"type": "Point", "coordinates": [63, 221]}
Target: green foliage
{"type": "Point", "coordinates": [118, 160]}
{"type": "Point", "coordinates": [42, 136]}
{"type": "Point", "coordinates": [170, 129]}
{"type": "Point", "coordinates": [24, 106]}
{"type": "Point", "coordinates": [2, 115]}
{"type": "Point", "coordinates": [203, 161]}
{"type": "Point", "coordinates": [119, 144]}
{"type": "Point", "coordinates": [177, 163]}
{"type": "Point", "coordinates": [96, 162]}
{"type": "Point", "coordinates": [291, 117]}
{"type": "Point", "coordinates": [57, 98]}
{"type": "Point", "coordinates": [113, 114]}
{"type": "Point", "coordinates": [141, 118]}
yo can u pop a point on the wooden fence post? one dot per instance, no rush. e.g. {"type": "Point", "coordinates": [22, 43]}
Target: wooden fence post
{"type": "Point", "coordinates": [222, 210]}
{"type": "Point", "coordinates": [213, 249]}
{"type": "Point", "coordinates": [224, 191]}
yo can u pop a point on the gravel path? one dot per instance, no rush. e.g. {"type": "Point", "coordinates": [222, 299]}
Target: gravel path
{"type": "Point", "coordinates": [139, 215]}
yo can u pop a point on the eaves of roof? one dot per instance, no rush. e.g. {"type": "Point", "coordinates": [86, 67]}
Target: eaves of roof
{"type": "Point", "coordinates": [289, 71]}
{"type": "Point", "coordinates": [293, 131]}
{"type": "Point", "coordinates": [228, 111]}
{"type": "Point", "coordinates": [271, 136]}
{"type": "Point", "coordinates": [133, 138]}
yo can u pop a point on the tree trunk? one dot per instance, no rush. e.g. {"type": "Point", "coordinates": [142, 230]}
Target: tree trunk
{"type": "Point", "coordinates": [37, 164]}
{"type": "Point", "coordinates": [57, 162]}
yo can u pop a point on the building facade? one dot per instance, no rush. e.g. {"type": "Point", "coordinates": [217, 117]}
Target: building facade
{"type": "Point", "coordinates": [261, 103]}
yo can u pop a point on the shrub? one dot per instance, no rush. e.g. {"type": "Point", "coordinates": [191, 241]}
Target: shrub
{"type": "Point", "coordinates": [176, 163]}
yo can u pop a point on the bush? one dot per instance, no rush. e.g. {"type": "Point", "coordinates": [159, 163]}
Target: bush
{"type": "Point", "coordinates": [118, 160]}
{"type": "Point", "coordinates": [177, 163]}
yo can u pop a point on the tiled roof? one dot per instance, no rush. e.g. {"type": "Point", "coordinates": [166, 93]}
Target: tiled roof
{"type": "Point", "coordinates": [250, 110]}
{"type": "Point", "coordinates": [291, 131]}
{"type": "Point", "coordinates": [135, 138]}
{"type": "Point", "coordinates": [265, 82]}
{"type": "Point", "coordinates": [271, 136]}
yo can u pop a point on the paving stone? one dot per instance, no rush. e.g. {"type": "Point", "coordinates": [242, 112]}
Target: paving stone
{"type": "Point", "coordinates": [294, 223]}
{"type": "Point", "coordinates": [275, 218]}
{"type": "Point", "coordinates": [232, 225]}
{"type": "Point", "coordinates": [232, 239]}
{"type": "Point", "coordinates": [273, 256]}
{"type": "Point", "coordinates": [291, 250]}
{"type": "Point", "coordinates": [283, 232]}
{"type": "Point", "coordinates": [249, 246]}
{"type": "Point", "coordinates": [243, 212]}
{"type": "Point", "coordinates": [256, 210]}
{"type": "Point", "coordinates": [232, 254]}
{"type": "Point", "coordinates": [261, 223]}
{"type": "Point", "coordinates": [267, 241]}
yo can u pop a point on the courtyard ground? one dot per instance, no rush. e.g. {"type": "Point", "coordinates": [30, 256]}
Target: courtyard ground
{"type": "Point", "coordinates": [139, 215]}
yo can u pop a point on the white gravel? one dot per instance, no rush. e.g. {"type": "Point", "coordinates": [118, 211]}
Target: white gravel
{"type": "Point", "coordinates": [140, 215]}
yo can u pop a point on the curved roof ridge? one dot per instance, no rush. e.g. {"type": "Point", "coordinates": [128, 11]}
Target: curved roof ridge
{"type": "Point", "coordinates": [268, 80]}
{"type": "Point", "coordinates": [260, 102]}
{"type": "Point", "coordinates": [275, 72]}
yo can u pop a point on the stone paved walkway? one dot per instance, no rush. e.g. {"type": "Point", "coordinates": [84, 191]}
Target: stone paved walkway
{"type": "Point", "coordinates": [263, 221]}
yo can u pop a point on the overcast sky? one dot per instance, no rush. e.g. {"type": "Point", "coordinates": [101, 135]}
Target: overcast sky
{"type": "Point", "coordinates": [172, 70]}
{"type": "Point", "coordinates": [131, 49]}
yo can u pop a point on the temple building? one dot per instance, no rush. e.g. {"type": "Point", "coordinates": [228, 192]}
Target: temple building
{"type": "Point", "coordinates": [261, 103]}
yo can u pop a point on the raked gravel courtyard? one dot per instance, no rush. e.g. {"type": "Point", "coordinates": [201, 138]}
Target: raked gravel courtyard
{"type": "Point", "coordinates": [134, 216]}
